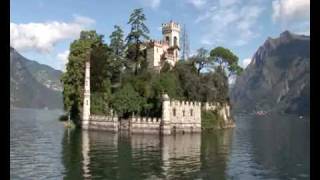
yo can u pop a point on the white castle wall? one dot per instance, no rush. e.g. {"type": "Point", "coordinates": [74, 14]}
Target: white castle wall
{"type": "Point", "coordinates": [144, 125]}
{"type": "Point", "coordinates": [185, 116]}
{"type": "Point", "coordinates": [107, 123]}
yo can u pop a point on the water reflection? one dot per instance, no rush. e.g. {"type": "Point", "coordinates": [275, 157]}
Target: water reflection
{"type": "Point", "coordinates": [215, 150]}
{"type": "Point", "coordinates": [258, 148]}
{"type": "Point", "coordinates": [121, 156]}
{"type": "Point", "coordinates": [274, 148]}
{"type": "Point", "coordinates": [286, 146]}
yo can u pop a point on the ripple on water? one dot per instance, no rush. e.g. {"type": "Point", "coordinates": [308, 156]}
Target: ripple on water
{"type": "Point", "coordinates": [40, 149]}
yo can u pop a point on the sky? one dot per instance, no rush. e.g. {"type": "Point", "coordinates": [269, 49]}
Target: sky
{"type": "Point", "coordinates": [43, 30]}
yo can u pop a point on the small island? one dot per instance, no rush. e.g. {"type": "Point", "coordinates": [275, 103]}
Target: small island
{"type": "Point", "coordinates": [143, 86]}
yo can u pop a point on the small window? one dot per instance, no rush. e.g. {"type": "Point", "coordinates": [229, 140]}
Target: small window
{"type": "Point", "coordinates": [167, 39]}
{"type": "Point", "coordinates": [183, 113]}
{"type": "Point", "coordinates": [191, 112]}
{"type": "Point", "coordinates": [175, 39]}
{"type": "Point", "coordinates": [87, 102]}
{"type": "Point", "coordinates": [174, 112]}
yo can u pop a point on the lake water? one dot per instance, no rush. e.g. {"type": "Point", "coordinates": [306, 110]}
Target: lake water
{"type": "Point", "coordinates": [275, 147]}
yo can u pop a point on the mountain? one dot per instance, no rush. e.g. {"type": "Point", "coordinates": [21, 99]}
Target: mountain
{"type": "Point", "coordinates": [33, 85]}
{"type": "Point", "coordinates": [278, 77]}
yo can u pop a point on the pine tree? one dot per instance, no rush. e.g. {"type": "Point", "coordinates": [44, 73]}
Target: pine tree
{"type": "Point", "coordinates": [139, 32]}
{"type": "Point", "coordinates": [118, 51]}
{"type": "Point", "coordinates": [117, 42]}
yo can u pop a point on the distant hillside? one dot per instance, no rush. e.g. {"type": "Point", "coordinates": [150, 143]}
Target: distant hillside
{"type": "Point", "coordinates": [33, 85]}
{"type": "Point", "coordinates": [278, 78]}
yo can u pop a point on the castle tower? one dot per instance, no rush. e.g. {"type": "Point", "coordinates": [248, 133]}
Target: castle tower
{"type": "Point", "coordinates": [165, 123]}
{"type": "Point", "coordinates": [171, 35]}
{"type": "Point", "coordinates": [86, 100]}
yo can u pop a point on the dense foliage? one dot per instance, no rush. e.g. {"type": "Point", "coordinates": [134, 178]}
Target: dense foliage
{"type": "Point", "coordinates": [121, 81]}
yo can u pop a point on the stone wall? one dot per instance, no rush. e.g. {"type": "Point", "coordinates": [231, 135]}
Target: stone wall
{"type": "Point", "coordinates": [107, 123]}
{"type": "Point", "coordinates": [184, 116]}
{"type": "Point", "coordinates": [144, 125]}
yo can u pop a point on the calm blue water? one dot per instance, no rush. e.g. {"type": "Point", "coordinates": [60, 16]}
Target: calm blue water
{"type": "Point", "coordinates": [274, 147]}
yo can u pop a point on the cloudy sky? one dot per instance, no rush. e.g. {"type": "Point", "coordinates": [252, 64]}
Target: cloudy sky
{"type": "Point", "coordinates": [43, 30]}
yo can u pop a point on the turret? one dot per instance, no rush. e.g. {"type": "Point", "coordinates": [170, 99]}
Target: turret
{"type": "Point", "coordinates": [166, 123]}
{"type": "Point", "coordinates": [170, 32]}
{"type": "Point", "coordinates": [86, 100]}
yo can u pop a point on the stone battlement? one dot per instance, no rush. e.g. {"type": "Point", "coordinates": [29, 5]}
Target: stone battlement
{"type": "Point", "coordinates": [103, 118]}
{"type": "Point", "coordinates": [177, 103]}
{"type": "Point", "coordinates": [148, 120]}
{"type": "Point", "coordinates": [171, 26]}
{"type": "Point", "coordinates": [145, 125]}
{"type": "Point", "coordinates": [159, 43]}
{"type": "Point", "coordinates": [106, 123]}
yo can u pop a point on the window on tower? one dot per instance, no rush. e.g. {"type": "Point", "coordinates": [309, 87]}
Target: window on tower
{"type": "Point", "coordinates": [167, 39]}
{"type": "Point", "coordinates": [175, 39]}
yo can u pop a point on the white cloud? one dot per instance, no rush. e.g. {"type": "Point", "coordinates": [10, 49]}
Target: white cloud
{"type": "Point", "coordinates": [154, 4]}
{"type": "Point", "coordinates": [197, 3]}
{"type": "Point", "coordinates": [42, 37]}
{"type": "Point", "coordinates": [232, 22]}
{"type": "Point", "coordinates": [293, 15]}
{"type": "Point", "coordinates": [291, 10]}
{"type": "Point", "coordinates": [64, 58]}
{"type": "Point", "coordinates": [225, 3]}
{"type": "Point", "coordinates": [244, 63]}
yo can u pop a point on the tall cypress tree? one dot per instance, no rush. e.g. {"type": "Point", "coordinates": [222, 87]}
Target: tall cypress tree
{"type": "Point", "coordinates": [139, 32]}
{"type": "Point", "coordinates": [117, 42]}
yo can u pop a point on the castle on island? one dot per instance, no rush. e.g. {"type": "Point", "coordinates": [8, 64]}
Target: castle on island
{"type": "Point", "coordinates": [165, 50]}
{"type": "Point", "coordinates": [177, 116]}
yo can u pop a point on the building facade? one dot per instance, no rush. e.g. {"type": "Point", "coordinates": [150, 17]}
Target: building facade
{"type": "Point", "coordinates": [165, 50]}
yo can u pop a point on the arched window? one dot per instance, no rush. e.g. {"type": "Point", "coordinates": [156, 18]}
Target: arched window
{"type": "Point", "coordinates": [174, 112]}
{"type": "Point", "coordinates": [167, 39]}
{"type": "Point", "coordinates": [183, 113]}
{"type": "Point", "coordinates": [191, 112]}
{"type": "Point", "coordinates": [175, 40]}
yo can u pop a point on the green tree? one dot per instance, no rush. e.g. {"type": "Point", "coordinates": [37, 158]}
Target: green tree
{"type": "Point", "coordinates": [201, 59]}
{"type": "Point", "coordinates": [73, 78]}
{"type": "Point", "coordinates": [127, 101]}
{"type": "Point", "coordinates": [226, 60]}
{"type": "Point", "coordinates": [139, 32]}
{"type": "Point", "coordinates": [100, 100]}
{"type": "Point", "coordinates": [189, 80]}
{"type": "Point", "coordinates": [116, 42]}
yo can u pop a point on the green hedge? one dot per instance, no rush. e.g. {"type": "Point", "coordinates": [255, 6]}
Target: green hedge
{"type": "Point", "coordinates": [210, 120]}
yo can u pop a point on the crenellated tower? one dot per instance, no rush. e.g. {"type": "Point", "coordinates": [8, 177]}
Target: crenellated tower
{"type": "Point", "coordinates": [171, 33]}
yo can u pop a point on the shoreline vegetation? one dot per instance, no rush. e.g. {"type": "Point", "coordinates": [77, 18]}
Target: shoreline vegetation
{"type": "Point", "coordinates": [121, 81]}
